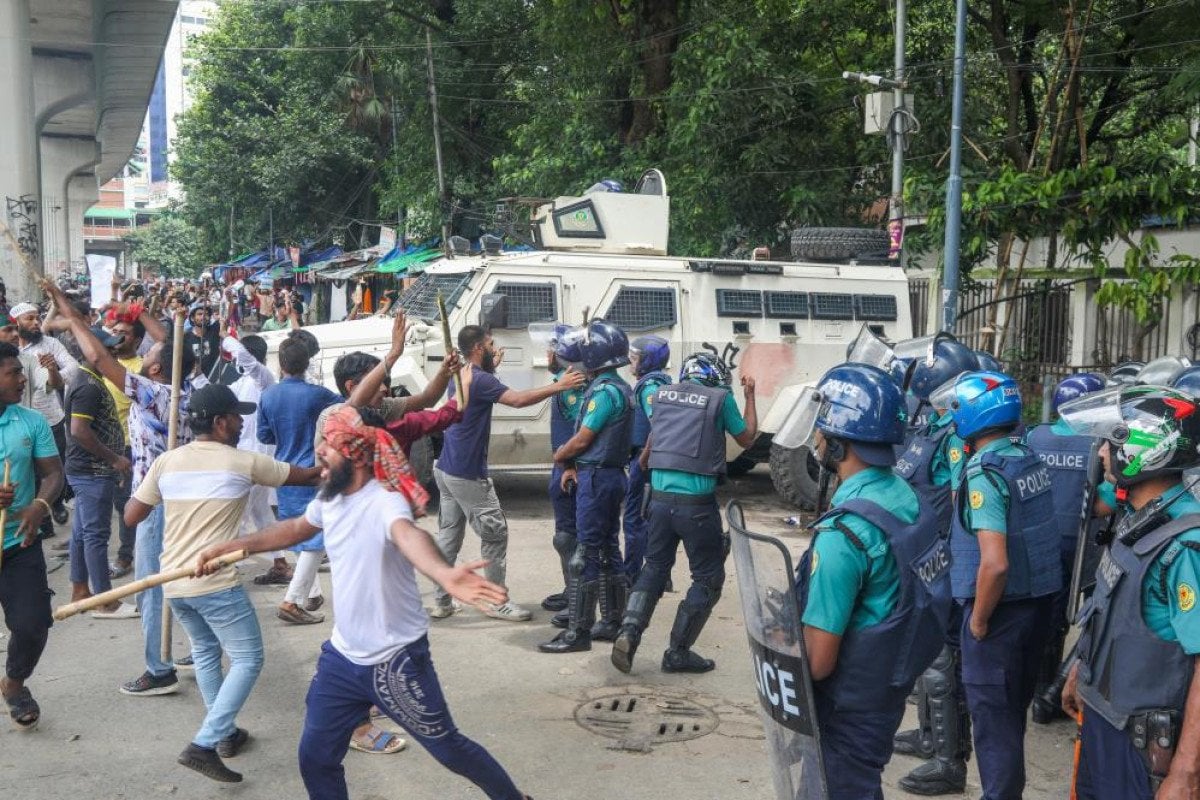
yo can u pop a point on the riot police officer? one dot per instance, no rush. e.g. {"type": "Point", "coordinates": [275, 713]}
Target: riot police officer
{"type": "Point", "coordinates": [1005, 571]}
{"type": "Point", "coordinates": [1068, 457]}
{"type": "Point", "coordinates": [932, 463]}
{"type": "Point", "coordinates": [594, 459]}
{"type": "Point", "coordinates": [648, 357]}
{"type": "Point", "coordinates": [564, 410]}
{"type": "Point", "coordinates": [873, 588]}
{"type": "Point", "coordinates": [1136, 681]}
{"type": "Point", "coordinates": [686, 456]}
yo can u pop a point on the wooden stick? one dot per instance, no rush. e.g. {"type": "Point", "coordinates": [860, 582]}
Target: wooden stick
{"type": "Point", "coordinates": [448, 346]}
{"type": "Point", "coordinates": [35, 273]}
{"type": "Point", "coordinates": [4, 512]}
{"type": "Point", "coordinates": [148, 582]}
{"type": "Point", "coordinates": [164, 642]}
{"type": "Point", "coordinates": [1078, 751]}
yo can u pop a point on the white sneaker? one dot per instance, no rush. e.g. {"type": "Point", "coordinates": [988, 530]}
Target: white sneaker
{"type": "Point", "coordinates": [510, 611]}
{"type": "Point", "coordinates": [443, 610]}
{"type": "Point", "coordinates": [123, 611]}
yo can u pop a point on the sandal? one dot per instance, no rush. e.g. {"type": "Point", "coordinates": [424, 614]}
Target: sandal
{"type": "Point", "coordinates": [298, 616]}
{"type": "Point", "coordinates": [23, 710]}
{"type": "Point", "coordinates": [378, 742]}
{"type": "Point", "coordinates": [274, 577]}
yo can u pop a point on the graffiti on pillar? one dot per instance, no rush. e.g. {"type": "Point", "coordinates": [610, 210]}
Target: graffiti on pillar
{"type": "Point", "coordinates": [23, 222]}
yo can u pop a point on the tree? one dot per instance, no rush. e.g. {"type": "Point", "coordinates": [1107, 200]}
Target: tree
{"type": "Point", "coordinates": [168, 244]}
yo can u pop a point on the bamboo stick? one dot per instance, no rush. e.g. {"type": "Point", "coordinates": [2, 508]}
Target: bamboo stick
{"type": "Point", "coordinates": [164, 642]}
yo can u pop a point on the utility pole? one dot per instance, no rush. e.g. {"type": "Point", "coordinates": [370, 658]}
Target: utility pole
{"type": "Point", "coordinates": [396, 175]}
{"type": "Point", "coordinates": [899, 127]}
{"type": "Point", "coordinates": [443, 198]}
{"type": "Point", "coordinates": [231, 252]}
{"type": "Point", "coordinates": [270, 234]}
{"type": "Point", "coordinates": [954, 184]}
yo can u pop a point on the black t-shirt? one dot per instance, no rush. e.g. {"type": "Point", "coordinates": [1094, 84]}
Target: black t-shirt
{"type": "Point", "coordinates": [88, 399]}
{"type": "Point", "coordinates": [205, 344]}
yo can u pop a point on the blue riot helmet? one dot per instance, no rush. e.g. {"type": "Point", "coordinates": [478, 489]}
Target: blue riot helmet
{"type": "Point", "coordinates": [1161, 371]}
{"type": "Point", "coordinates": [565, 343]}
{"type": "Point", "coordinates": [862, 405]}
{"type": "Point", "coordinates": [604, 345]}
{"type": "Point", "coordinates": [980, 401]}
{"type": "Point", "coordinates": [987, 362]}
{"type": "Point", "coordinates": [606, 185]}
{"type": "Point", "coordinates": [1074, 386]}
{"type": "Point", "coordinates": [705, 369]}
{"type": "Point", "coordinates": [653, 353]}
{"type": "Point", "coordinates": [1188, 381]}
{"type": "Point", "coordinates": [898, 369]}
{"type": "Point", "coordinates": [950, 359]}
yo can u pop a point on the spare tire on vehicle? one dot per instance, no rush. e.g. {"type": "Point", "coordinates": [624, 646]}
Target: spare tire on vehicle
{"type": "Point", "coordinates": [797, 476]}
{"type": "Point", "coordinates": [840, 244]}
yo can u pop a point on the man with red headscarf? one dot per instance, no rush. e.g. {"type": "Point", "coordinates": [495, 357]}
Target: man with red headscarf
{"type": "Point", "coordinates": [379, 651]}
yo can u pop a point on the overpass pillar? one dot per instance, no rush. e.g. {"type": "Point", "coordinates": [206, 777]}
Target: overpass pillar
{"type": "Point", "coordinates": [62, 158]}
{"type": "Point", "coordinates": [19, 189]}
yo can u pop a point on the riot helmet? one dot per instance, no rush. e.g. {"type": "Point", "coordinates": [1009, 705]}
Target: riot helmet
{"type": "Point", "coordinates": [604, 345]}
{"type": "Point", "coordinates": [949, 360]}
{"type": "Point", "coordinates": [1151, 431]}
{"type": "Point", "coordinates": [1161, 371]}
{"type": "Point", "coordinates": [1074, 386]}
{"type": "Point", "coordinates": [653, 353]}
{"type": "Point", "coordinates": [565, 343]}
{"type": "Point", "coordinates": [705, 369]}
{"type": "Point", "coordinates": [987, 362]}
{"type": "Point", "coordinates": [1125, 373]}
{"type": "Point", "coordinates": [980, 402]}
{"type": "Point", "coordinates": [1188, 381]}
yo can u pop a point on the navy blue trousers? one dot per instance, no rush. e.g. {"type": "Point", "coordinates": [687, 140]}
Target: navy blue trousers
{"type": "Point", "coordinates": [636, 530]}
{"type": "Point", "coordinates": [1110, 768]}
{"type": "Point", "coordinates": [598, 517]}
{"type": "Point", "coordinates": [405, 688]}
{"type": "Point", "coordinates": [562, 502]}
{"type": "Point", "coordinates": [855, 747]}
{"type": "Point", "coordinates": [698, 527]}
{"type": "Point", "coordinates": [999, 678]}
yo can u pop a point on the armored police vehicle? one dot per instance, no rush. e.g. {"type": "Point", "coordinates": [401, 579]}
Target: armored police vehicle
{"type": "Point", "coordinates": [605, 253]}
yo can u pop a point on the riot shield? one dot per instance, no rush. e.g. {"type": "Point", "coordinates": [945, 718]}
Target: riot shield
{"type": "Point", "coordinates": [1087, 545]}
{"type": "Point", "coordinates": [781, 675]}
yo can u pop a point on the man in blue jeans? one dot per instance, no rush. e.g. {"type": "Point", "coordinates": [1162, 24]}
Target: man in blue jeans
{"type": "Point", "coordinates": [95, 463]}
{"type": "Point", "coordinates": [202, 488]}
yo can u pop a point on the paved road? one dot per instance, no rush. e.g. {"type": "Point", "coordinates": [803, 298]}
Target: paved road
{"type": "Point", "coordinates": [522, 705]}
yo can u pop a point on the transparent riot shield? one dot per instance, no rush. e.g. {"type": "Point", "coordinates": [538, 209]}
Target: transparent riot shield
{"type": "Point", "coordinates": [1088, 549]}
{"type": "Point", "coordinates": [781, 674]}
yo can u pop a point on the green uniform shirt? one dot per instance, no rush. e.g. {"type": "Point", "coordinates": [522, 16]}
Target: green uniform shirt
{"type": "Point", "coordinates": [24, 436]}
{"type": "Point", "coordinates": [645, 397]}
{"type": "Point", "coordinates": [849, 588]}
{"type": "Point", "coordinates": [1173, 614]}
{"type": "Point", "coordinates": [948, 461]}
{"type": "Point", "coordinates": [606, 405]}
{"type": "Point", "coordinates": [1061, 428]}
{"type": "Point", "coordinates": [570, 399]}
{"type": "Point", "coordinates": [672, 480]}
{"type": "Point", "coordinates": [987, 498]}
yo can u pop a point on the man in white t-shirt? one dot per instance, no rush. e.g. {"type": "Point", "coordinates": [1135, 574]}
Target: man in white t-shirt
{"type": "Point", "coordinates": [379, 651]}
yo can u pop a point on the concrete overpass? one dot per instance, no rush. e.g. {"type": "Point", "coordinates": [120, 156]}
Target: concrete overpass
{"type": "Point", "coordinates": [75, 80]}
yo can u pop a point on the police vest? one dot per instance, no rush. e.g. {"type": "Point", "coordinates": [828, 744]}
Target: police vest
{"type": "Point", "coordinates": [610, 448]}
{"type": "Point", "coordinates": [1126, 668]}
{"type": "Point", "coordinates": [641, 423]}
{"type": "Point", "coordinates": [878, 665]}
{"type": "Point", "coordinates": [561, 428]}
{"type": "Point", "coordinates": [915, 465]}
{"type": "Point", "coordinates": [1032, 540]}
{"type": "Point", "coordinates": [685, 428]}
{"type": "Point", "coordinates": [1068, 458]}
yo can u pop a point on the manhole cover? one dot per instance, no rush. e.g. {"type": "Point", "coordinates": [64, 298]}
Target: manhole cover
{"type": "Point", "coordinates": [646, 718]}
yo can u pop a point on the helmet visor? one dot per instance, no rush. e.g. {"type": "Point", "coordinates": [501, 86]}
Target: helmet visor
{"type": "Point", "coordinates": [943, 397]}
{"type": "Point", "coordinates": [797, 428]}
{"type": "Point", "coordinates": [542, 334]}
{"type": "Point", "coordinates": [921, 347]}
{"type": "Point", "coordinates": [870, 349]}
{"type": "Point", "coordinates": [1097, 414]}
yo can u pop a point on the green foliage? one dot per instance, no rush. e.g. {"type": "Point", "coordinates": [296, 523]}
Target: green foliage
{"type": "Point", "coordinates": [168, 244]}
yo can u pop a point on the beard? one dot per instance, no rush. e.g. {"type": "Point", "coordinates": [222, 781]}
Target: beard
{"type": "Point", "coordinates": [33, 335]}
{"type": "Point", "coordinates": [488, 364]}
{"type": "Point", "coordinates": [338, 481]}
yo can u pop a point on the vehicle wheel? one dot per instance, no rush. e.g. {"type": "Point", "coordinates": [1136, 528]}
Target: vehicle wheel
{"type": "Point", "coordinates": [421, 458]}
{"type": "Point", "coordinates": [839, 244]}
{"type": "Point", "coordinates": [796, 476]}
{"type": "Point", "coordinates": [740, 466]}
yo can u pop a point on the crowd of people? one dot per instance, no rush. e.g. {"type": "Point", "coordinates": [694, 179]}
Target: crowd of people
{"type": "Point", "coordinates": [943, 568]}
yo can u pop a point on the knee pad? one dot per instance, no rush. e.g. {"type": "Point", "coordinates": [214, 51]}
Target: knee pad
{"type": "Point", "coordinates": [565, 542]}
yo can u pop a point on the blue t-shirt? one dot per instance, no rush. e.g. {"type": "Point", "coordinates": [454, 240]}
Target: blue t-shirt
{"type": "Point", "coordinates": [465, 444]}
{"type": "Point", "coordinates": [24, 436]}
{"type": "Point", "coordinates": [287, 418]}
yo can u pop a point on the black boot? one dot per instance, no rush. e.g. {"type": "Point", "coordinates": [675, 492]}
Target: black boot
{"type": "Point", "coordinates": [614, 591]}
{"type": "Point", "coordinates": [689, 621]}
{"type": "Point", "coordinates": [582, 611]}
{"type": "Point", "coordinates": [638, 610]}
{"type": "Point", "coordinates": [555, 602]}
{"type": "Point", "coordinates": [561, 620]}
{"type": "Point", "coordinates": [911, 743]}
{"type": "Point", "coordinates": [936, 776]}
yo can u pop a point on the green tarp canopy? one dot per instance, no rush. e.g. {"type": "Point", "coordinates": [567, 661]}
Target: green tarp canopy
{"type": "Point", "coordinates": [408, 262]}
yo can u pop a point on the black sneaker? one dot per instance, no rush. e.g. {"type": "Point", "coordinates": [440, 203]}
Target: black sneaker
{"type": "Point", "coordinates": [59, 513]}
{"type": "Point", "coordinates": [206, 761]}
{"type": "Point", "coordinates": [149, 685]}
{"type": "Point", "coordinates": [232, 744]}
{"type": "Point", "coordinates": [185, 664]}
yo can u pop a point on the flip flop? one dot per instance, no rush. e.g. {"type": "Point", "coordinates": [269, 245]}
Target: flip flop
{"type": "Point", "coordinates": [21, 706]}
{"type": "Point", "coordinates": [382, 742]}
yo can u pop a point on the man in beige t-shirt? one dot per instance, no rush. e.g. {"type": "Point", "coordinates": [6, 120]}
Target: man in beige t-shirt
{"type": "Point", "coordinates": [203, 487]}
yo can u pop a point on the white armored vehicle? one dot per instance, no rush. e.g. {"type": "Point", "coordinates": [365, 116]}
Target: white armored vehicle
{"type": "Point", "coordinates": [607, 252]}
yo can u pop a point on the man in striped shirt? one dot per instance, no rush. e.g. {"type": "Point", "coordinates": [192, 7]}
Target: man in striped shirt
{"type": "Point", "coordinates": [203, 487]}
